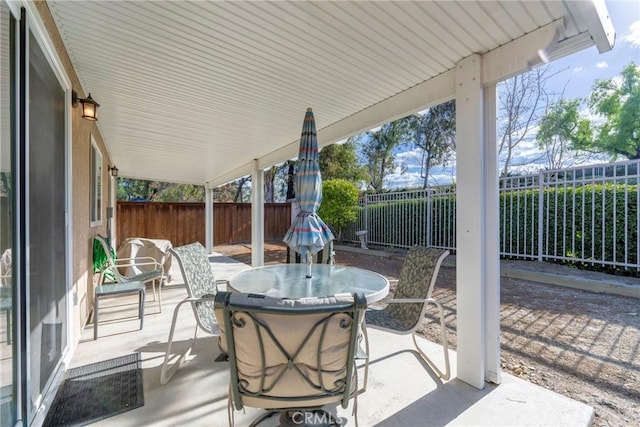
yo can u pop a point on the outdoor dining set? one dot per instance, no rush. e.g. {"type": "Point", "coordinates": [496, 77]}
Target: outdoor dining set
{"type": "Point", "coordinates": [293, 333]}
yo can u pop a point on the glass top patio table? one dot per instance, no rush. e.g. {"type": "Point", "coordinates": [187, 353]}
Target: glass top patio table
{"type": "Point", "coordinates": [289, 281]}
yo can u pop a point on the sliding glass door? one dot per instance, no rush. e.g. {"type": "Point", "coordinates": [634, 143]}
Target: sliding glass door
{"type": "Point", "coordinates": [46, 241]}
{"type": "Point", "coordinates": [8, 353]}
{"type": "Point", "coordinates": [33, 210]}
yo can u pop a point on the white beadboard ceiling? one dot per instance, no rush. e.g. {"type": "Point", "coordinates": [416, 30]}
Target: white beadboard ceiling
{"type": "Point", "coordinates": [195, 91]}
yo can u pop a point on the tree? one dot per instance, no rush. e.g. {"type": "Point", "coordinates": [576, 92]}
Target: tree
{"type": "Point", "coordinates": [133, 190]}
{"type": "Point", "coordinates": [181, 193]}
{"type": "Point", "coordinates": [290, 177]}
{"type": "Point", "coordinates": [339, 203]}
{"type": "Point", "coordinates": [269, 183]}
{"type": "Point", "coordinates": [522, 100]}
{"type": "Point", "coordinates": [561, 132]}
{"type": "Point", "coordinates": [230, 192]}
{"type": "Point", "coordinates": [435, 135]}
{"type": "Point", "coordinates": [129, 189]}
{"type": "Point", "coordinates": [340, 161]}
{"type": "Point", "coordinates": [378, 148]}
{"type": "Point", "coordinates": [618, 100]}
{"type": "Point", "coordinates": [238, 198]}
{"type": "Point", "coordinates": [224, 193]}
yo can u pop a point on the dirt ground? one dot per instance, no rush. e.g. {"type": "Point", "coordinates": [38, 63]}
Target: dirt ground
{"type": "Point", "coordinates": [580, 344]}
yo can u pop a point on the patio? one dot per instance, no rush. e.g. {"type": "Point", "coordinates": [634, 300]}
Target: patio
{"type": "Point", "coordinates": [207, 92]}
{"type": "Point", "coordinates": [401, 390]}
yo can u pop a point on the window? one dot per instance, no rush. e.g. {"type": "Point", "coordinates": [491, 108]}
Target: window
{"type": "Point", "coordinates": [96, 184]}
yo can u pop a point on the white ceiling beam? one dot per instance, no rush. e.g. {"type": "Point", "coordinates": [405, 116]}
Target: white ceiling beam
{"type": "Point", "coordinates": [432, 92]}
{"type": "Point", "coordinates": [232, 175]}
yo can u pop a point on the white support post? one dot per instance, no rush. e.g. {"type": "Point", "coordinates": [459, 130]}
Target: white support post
{"type": "Point", "coordinates": [208, 220]}
{"type": "Point", "coordinates": [471, 217]}
{"type": "Point", "coordinates": [257, 216]}
{"type": "Point", "coordinates": [491, 242]}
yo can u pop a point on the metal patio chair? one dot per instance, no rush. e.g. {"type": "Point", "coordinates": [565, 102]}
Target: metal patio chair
{"type": "Point", "coordinates": [110, 267]}
{"type": "Point", "coordinates": [201, 288]}
{"type": "Point", "coordinates": [290, 357]}
{"type": "Point", "coordinates": [405, 311]}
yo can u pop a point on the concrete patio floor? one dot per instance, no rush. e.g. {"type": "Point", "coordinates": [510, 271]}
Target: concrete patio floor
{"type": "Point", "coordinates": [401, 390]}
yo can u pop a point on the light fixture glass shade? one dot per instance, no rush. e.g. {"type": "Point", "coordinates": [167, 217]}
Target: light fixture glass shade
{"type": "Point", "coordinates": [89, 108]}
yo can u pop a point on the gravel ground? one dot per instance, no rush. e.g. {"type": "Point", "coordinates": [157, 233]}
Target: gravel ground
{"type": "Point", "coordinates": [580, 344]}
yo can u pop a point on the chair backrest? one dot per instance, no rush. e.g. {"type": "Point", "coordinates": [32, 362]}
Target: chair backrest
{"type": "Point", "coordinates": [417, 280]}
{"type": "Point", "coordinates": [198, 279]}
{"type": "Point", "coordinates": [290, 353]}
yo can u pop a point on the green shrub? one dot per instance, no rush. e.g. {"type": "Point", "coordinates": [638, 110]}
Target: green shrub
{"type": "Point", "coordinates": [339, 203]}
{"type": "Point", "coordinates": [595, 225]}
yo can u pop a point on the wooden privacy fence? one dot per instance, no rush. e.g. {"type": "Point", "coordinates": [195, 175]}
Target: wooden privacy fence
{"type": "Point", "coordinates": [184, 223]}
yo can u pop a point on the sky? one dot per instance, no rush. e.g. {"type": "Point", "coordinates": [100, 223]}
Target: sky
{"type": "Point", "coordinates": [577, 74]}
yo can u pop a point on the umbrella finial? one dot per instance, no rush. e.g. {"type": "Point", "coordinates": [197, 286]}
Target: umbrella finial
{"type": "Point", "coordinates": [308, 109]}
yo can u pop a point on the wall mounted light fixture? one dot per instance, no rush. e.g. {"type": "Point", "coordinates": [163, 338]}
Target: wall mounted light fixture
{"type": "Point", "coordinates": [114, 171]}
{"type": "Point", "coordinates": [89, 106]}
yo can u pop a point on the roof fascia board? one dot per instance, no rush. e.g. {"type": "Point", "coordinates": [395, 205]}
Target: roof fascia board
{"type": "Point", "coordinates": [596, 16]}
{"type": "Point", "coordinates": [519, 55]}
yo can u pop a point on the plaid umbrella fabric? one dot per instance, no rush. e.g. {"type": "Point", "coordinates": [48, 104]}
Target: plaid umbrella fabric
{"type": "Point", "coordinates": [308, 234]}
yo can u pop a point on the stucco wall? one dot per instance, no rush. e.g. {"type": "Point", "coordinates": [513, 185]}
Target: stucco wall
{"type": "Point", "coordinates": [82, 277]}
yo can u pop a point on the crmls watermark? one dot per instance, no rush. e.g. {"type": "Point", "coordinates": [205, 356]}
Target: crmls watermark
{"type": "Point", "coordinates": [311, 418]}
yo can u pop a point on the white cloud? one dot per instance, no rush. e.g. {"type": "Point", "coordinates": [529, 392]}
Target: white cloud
{"type": "Point", "coordinates": [412, 177]}
{"type": "Point", "coordinates": [633, 37]}
{"type": "Point", "coordinates": [602, 64]}
{"type": "Point", "coordinates": [577, 69]}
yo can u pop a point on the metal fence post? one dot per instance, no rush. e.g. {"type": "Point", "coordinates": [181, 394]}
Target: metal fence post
{"type": "Point", "coordinates": [540, 212]}
{"type": "Point", "coordinates": [429, 216]}
{"type": "Point", "coordinates": [366, 214]}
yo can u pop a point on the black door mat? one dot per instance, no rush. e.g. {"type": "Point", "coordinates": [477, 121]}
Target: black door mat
{"type": "Point", "coordinates": [97, 391]}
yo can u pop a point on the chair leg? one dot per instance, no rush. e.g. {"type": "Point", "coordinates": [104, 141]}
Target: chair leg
{"type": "Point", "coordinates": [153, 288]}
{"type": "Point", "coordinates": [9, 327]}
{"type": "Point", "coordinates": [157, 295]}
{"type": "Point", "coordinates": [95, 317]}
{"type": "Point", "coordinates": [141, 307]}
{"type": "Point", "coordinates": [445, 346]}
{"type": "Point", "coordinates": [366, 360]}
{"type": "Point", "coordinates": [160, 294]}
{"type": "Point", "coordinates": [166, 374]}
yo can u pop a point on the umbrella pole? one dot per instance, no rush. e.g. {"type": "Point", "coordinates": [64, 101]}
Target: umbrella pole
{"type": "Point", "coordinates": [309, 261]}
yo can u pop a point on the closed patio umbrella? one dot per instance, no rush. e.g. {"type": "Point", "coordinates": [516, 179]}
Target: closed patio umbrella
{"type": "Point", "coordinates": [308, 234]}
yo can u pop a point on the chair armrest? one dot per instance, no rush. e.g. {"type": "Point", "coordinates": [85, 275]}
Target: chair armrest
{"type": "Point", "coordinates": [146, 260]}
{"type": "Point", "coordinates": [405, 300]}
{"type": "Point", "coordinates": [118, 264]}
